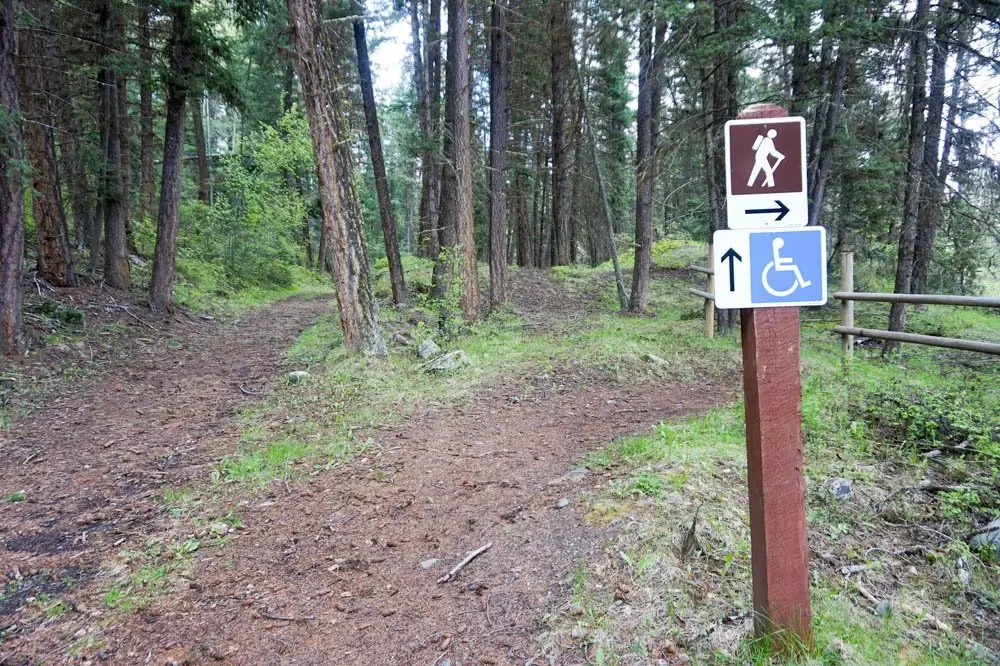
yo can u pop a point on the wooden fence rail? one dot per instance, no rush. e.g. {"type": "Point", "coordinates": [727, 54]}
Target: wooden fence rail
{"type": "Point", "coordinates": [848, 331]}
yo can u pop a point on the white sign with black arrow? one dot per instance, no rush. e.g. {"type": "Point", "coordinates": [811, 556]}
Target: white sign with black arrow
{"type": "Point", "coordinates": [770, 267]}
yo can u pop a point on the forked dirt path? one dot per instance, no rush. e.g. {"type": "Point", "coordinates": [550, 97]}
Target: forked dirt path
{"type": "Point", "coordinates": [339, 568]}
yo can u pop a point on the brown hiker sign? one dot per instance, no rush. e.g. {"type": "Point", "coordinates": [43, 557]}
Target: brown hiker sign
{"type": "Point", "coordinates": [766, 173]}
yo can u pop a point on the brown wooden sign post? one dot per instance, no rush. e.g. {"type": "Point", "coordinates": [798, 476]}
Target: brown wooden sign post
{"type": "Point", "coordinates": [773, 396]}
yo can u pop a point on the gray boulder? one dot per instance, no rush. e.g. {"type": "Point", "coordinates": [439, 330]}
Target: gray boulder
{"type": "Point", "coordinates": [987, 538]}
{"type": "Point", "coordinates": [449, 361]}
{"type": "Point", "coordinates": [428, 348]}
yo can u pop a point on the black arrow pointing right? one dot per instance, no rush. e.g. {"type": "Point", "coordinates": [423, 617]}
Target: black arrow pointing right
{"type": "Point", "coordinates": [732, 256]}
{"type": "Point", "coordinates": [781, 210]}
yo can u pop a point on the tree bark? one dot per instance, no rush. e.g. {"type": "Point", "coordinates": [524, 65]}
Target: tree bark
{"type": "Point", "coordinates": [125, 151]}
{"type": "Point", "coordinates": [525, 253]}
{"type": "Point", "coordinates": [343, 226]}
{"type": "Point", "coordinates": [378, 165]}
{"type": "Point", "coordinates": [165, 256]}
{"type": "Point", "coordinates": [124, 127]}
{"type": "Point", "coordinates": [499, 75]}
{"type": "Point", "coordinates": [429, 237]}
{"type": "Point", "coordinates": [561, 53]}
{"type": "Point", "coordinates": [11, 193]}
{"type": "Point", "coordinates": [458, 48]}
{"type": "Point", "coordinates": [801, 45]}
{"type": "Point", "coordinates": [80, 202]}
{"type": "Point", "coordinates": [931, 183]}
{"type": "Point", "coordinates": [643, 164]}
{"type": "Point", "coordinates": [54, 259]}
{"type": "Point", "coordinates": [146, 137]}
{"type": "Point", "coordinates": [824, 162]}
{"type": "Point", "coordinates": [914, 168]}
{"type": "Point", "coordinates": [116, 267]}
{"type": "Point", "coordinates": [720, 103]}
{"type": "Point", "coordinates": [444, 262]}
{"type": "Point", "coordinates": [204, 177]}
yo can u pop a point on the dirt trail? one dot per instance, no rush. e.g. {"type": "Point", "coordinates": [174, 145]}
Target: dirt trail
{"type": "Point", "coordinates": [93, 461]}
{"type": "Point", "coordinates": [328, 571]}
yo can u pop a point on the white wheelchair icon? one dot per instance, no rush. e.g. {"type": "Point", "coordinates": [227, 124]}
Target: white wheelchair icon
{"type": "Point", "coordinates": [782, 265]}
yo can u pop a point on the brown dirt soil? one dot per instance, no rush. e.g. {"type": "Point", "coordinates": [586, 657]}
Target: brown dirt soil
{"type": "Point", "coordinates": [326, 570]}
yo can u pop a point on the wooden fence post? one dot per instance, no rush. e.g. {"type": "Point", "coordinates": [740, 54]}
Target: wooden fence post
{"type": "Point", "coordinates": [847, 307]}
{"type": "Point", "coordinates": [709, 303]}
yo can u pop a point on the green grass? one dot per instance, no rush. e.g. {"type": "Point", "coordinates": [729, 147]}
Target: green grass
{"type": "Point", "coordinates": [260, 462]}
{"type": "Point", "coordinates": [15, 497]}
{"type": "Point", "coordinates": [872, 426]}
{"type": "Point", "coordinates": [201, 287]}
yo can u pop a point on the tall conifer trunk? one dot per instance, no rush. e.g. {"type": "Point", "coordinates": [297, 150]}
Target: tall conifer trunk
{"type": "Point", "coordinates": [914, 168]}
{"type": "Point", "coordinates": [499, 74]}
{"type": "Point", "coordinates": [11, 193]}
{"type": "Point", "coordinates": [342, 223]}
{"type": "Point", "coordinates": [378, 166]}
{"type": "Point", "coordinates": [173, 153]}
{"type": "Point", "coordinates": [560, 31]}
{"type": "Point", "coordinates": [54, 260]}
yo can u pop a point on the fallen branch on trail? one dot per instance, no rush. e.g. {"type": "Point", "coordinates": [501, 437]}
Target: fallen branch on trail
{"type": "Point", "coordinates": [461, 565]}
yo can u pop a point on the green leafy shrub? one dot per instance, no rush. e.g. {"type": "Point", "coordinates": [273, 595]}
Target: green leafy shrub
{"type": "Point", "coordinates": [930, 418]}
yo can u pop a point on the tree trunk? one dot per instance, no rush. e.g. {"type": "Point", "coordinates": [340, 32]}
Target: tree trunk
{"type": "Point", "coordinates": [125, 152]}
{"type": "Point", "coordinates": [116, 266]}
{"type": "Point", "coordinates": [499, 75]}
{"type": "Point", "coordinates": [800, 56]}
{"type": "Point", "coordinates": [525, 254]}
{"type": "Point", "coordinates": [429, 238]}
{"type": "Point", "coordinates": [458, 34]}
{"type": "Point", "coordinates": [378, 165]}
{"type": "Point", "coordinates": [359, 316]}
{"type": "Point", "coordinates": [561, 53]}
{"type": "Point", "coordinates": [124, 127]}
{"type": "Point", "coordinates": [824, 161]}
{"type": "Point", "coordinates": [54, 260]}
{"type": "Point", "coordinates": [603, 192]}
{"type": "Point", "coordinates": [643, 164]}
{"type": "Point", "coordinates": [173, 152]}
{"type": "Point", "coordinates": [914, 168]}
{"type": "Point", "coordinates": [931, 183]}
{"type": "Point", "coordinates": [444, 262]}
{"type": "Point", "coordinates": [720, 104]}
{"type": "Point", "coordinates": [204, 178]}
{"type": "Point", "coordinates": [146, 137]}
{"type": "Point", "coordinates": [79, 190]}
{"type": "Point", "coordinates": [11, 194]}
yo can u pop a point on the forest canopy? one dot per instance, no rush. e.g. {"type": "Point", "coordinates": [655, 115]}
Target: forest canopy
{"type": "Point", "coordinates": [176, 147]}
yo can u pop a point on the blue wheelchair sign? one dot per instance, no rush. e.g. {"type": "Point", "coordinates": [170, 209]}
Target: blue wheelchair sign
{"type": "Point", "coordinates": [770, 268]}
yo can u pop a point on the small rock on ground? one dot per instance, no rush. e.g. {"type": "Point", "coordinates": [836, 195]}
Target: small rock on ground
{"type": "Point", "coordinates": [297, 376]}
{"type": "Point", "coordinates": [841, 489]}
{"type": "Point", "coordinates": [449, 361]}
{"type": "Point", "coordinates": [562, 503]}
{"type": "Point", "coordinates": [428, 563]}
{"type": "Point", "coordinates": [428, 348]}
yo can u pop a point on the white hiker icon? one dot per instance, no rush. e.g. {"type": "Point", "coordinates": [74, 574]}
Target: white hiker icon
{"type": "Point", "coordinates": [781, 265]}
{"type": "Point", "coordinates": [765, 150]}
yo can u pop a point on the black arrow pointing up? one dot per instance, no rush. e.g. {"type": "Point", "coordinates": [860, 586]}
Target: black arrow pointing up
{"type": "Point", "coordinates": [781, 210]}
{"type": "Point", "coordinates": [732, 256]}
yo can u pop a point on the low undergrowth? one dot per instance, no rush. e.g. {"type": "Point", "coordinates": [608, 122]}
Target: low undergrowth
{"type": "Point", "coordinates": [894, 579]}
